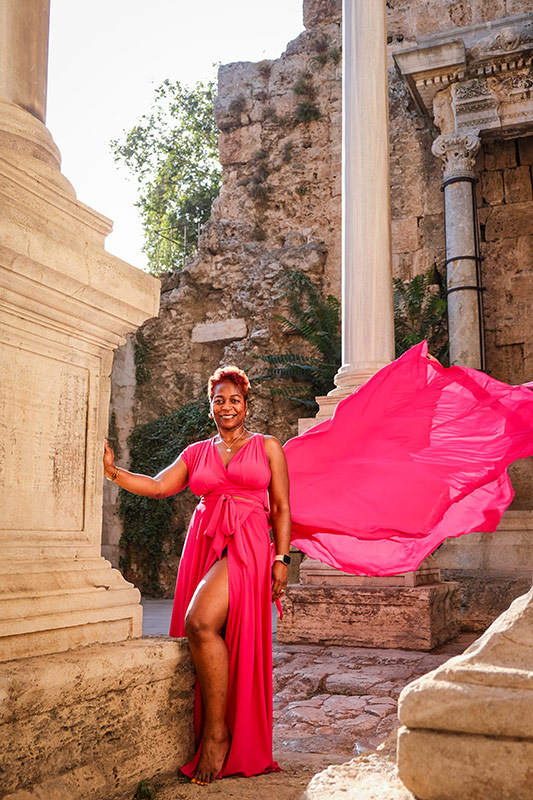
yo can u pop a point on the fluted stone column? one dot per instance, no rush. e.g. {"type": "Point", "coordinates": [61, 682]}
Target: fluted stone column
{"type": "Point", "coordinates": [367, 314]}
{"type": "Point", "coordinates": [367, 311]}
{"type": "Point", "coordinates": [458, 154]}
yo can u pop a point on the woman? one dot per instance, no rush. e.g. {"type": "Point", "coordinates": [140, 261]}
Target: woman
{"type": "Point", "coordinates": [417, 454]}
{"type": "Point", "coordinates": [228, 578]}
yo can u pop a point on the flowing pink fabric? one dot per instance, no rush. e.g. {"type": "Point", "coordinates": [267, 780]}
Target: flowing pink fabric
{"type": "Point", "coordinates": [417, 454]}
{"type": "Point", "coordinates": [233, 514]}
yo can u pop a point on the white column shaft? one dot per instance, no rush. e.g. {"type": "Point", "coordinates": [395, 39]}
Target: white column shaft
{"type": "Point", "coordinates": [368, 329]}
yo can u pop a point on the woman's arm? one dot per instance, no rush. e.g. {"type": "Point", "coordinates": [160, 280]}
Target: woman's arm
{"type": "Point", "coordinates": [170, 480]}
{"type": "Point", "coordinates": [280, 512]}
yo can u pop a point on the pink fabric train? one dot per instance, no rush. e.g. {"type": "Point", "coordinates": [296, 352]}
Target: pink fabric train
{"type": "Point", "coordinates": [417, 454]}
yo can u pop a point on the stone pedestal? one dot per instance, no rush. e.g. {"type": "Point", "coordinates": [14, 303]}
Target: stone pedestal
{"type": "Point", "coordinates": [416, 618]}
{"type": "Point", "coordinates": [315, 573]}
{"type": "Point", "coordinates": [66, 305]}
{"type": "Point", "coordinates": [492, 569]}
{"type": "Point", "coordinates": [467, 727]}
{"type": "Point", "coordinates": [95, 721]}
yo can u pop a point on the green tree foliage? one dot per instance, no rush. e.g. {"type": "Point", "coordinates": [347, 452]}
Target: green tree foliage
{"type": "Point", "coordinates": [147, 523]}
{"type": "Point", "coordinates": [420, 313]}
{"type": "Point", "coordinates": [315, 320]}
{"type": "Point", "coordinates": [172, 152]}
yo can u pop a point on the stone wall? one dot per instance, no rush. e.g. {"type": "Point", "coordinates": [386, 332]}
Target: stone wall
{"type": "Point", "coordinates": [95, 721]}
{"type": "Point", "coordinates": [280, 207]}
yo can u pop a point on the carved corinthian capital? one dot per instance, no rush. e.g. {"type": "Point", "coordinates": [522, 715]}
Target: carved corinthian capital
{"type": "Point", "coordinates": [458, 153]}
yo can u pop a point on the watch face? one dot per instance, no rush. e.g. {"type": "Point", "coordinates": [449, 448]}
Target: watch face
{"type": "Point", "coordinates": [286, 559]}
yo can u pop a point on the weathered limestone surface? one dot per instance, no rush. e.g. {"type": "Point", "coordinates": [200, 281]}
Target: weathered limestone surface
{"type": "Point", "coordinates": [223, 330]}
{"type": "Point", "coordinates": [95, 721]}
{"type": "Point", "coordinates": [372, 776]}
{"type": "Point", "coordinates": [418, 618]}
{"type": "Point", "coordinates": [316, 573]}
{"type": "Point", "coordinates": [492, 569]}
{"type": "Point", "coordinates": [123, 387]}
{"type": "Point", "coordinates": [468, 725]}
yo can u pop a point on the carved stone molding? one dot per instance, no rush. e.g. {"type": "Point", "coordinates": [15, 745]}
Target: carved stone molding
{"type": "Point", "coordinates": [474, 79]}
{"type": "Point", "coordinates": [458, 154]}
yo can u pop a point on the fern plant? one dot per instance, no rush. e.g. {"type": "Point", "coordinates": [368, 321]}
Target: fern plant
{"type": "Point", "coordinates": [420, 313]}
{"type": "Point", "coordinates": [316, 321]}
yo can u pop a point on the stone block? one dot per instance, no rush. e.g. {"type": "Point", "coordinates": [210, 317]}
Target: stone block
{"type": "Point", "coordinates": [417, 618]}
{"type": "Point", "coordinates": [499, 154]}
{"type": "Point", "coordinates": [491, 188]}
{"type": "Point", "coordinates": [315, 573]}
{"type": "Point", "coordinates": [509, 548]}
{"type": "Point", "coordinates": [468, 725]}
{"type": "Point", "coordinates": [404, 235]}
{"type": "Point", "coordinates": [517, 183]}
{"type": "Point", "coordinates": [525, 150]}
{"type": "Point", "coordinates": [447, 766]}
{"type": "Point", "coordinates": [219, 331]}
{"type": "Point", "coordinates": [509, 221]}
{"type": "Point", "coordinates": [239, 146]}
{"type": "Point", "coordinates": [94, 722]}
{"type": "Point", "coordinates": [485, 594]}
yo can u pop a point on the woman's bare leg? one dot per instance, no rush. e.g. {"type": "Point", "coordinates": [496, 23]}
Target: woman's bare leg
{"type": "Point", "coordinates": [205, 618]}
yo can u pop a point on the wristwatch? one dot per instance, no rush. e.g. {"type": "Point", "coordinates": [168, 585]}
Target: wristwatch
{"type": "Point", "coordinates": [284, 558]}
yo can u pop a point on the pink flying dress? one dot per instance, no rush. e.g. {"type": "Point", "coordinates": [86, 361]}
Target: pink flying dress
{"type": "Point", "coordinates": [233, 514]}
{"type": "Point", "coordinates": [417, 454]}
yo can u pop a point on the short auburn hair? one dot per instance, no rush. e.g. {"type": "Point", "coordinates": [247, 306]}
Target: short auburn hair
{"type": "Point", "coordinates": [229, 373]}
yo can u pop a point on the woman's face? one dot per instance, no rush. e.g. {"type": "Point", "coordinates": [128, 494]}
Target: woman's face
{"type": "Point", "coordinates": [228, 406]}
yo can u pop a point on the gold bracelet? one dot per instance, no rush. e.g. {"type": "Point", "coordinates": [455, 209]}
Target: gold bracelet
{"type": "Point", "coordinates": [114, 476]}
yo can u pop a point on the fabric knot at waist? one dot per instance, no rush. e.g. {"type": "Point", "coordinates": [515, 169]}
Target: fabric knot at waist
{"type": "Point", "coordinates": [228, 514]}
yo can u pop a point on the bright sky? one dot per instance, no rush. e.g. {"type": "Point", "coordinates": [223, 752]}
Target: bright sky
{"type": "Point", "coordinates": [106, 57]}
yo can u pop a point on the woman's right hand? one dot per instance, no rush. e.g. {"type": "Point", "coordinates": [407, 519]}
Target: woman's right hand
{"type": "Point", "coordinates": [109, 458]}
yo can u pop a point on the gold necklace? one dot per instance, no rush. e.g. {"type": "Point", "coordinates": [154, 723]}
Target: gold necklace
{"type": "Point", "coordinates": [228, 449]}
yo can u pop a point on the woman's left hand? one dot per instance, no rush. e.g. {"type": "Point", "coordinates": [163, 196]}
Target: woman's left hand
{"type": "Point", "coordinates": [279, 579]}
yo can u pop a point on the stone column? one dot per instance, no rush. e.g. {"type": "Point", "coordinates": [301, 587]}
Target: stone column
{"type": "Point", "coordinates": [24, 54]}
{"type": "Point", "coordinates": [66, 305]}
{"type": "Point", "coordinates": [367, 314]}
{"type": "Point", "coordinates": [458, 153]}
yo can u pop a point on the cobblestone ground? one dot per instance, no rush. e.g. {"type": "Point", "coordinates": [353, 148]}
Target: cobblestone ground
{"type": "Point", "coordinates": [330, 705]}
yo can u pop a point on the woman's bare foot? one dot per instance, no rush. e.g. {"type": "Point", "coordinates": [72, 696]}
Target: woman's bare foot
{"type": "Point", "coordinates": [214, 751]}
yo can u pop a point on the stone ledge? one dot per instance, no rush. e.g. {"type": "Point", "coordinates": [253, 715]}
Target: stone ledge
{"type": "Point", "coordinates": [94, 722]}
{"type": "Point", "coordinates": [412, 618]}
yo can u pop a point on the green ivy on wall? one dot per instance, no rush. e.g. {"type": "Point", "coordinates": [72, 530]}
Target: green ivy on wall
{"type": "Point", "coordinates": [147, 523]}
